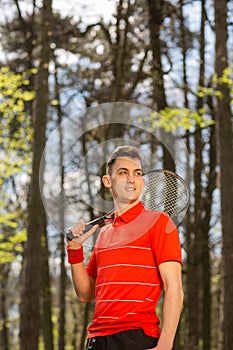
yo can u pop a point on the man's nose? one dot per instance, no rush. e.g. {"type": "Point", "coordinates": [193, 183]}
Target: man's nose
{"type": "Point", "coordinates": [131, 177]}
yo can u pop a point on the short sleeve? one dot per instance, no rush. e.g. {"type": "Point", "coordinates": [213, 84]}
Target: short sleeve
{"type": "Point", "coordinates": [165, 241]}
{"type": "Point", "coordinates": [92, 265]}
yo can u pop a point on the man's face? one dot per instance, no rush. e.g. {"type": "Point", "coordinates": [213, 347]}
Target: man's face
{"type": "Point", "coordinates": [126, 180]}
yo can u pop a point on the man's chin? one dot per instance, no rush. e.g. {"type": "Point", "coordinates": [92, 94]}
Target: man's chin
{"type": "Point", "coordinates": [132, 201]}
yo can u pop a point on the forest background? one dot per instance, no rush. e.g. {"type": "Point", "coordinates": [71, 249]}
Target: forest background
{"type": "Point", "coordinates": [174, 57]}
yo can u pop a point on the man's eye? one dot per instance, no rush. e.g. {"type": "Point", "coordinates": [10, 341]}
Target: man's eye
{"type": "Point", "coordinates": [139, 173]}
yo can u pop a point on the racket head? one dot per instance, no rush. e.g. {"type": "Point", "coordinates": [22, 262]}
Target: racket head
{"type": "Point", "coordinates": [165, 191]}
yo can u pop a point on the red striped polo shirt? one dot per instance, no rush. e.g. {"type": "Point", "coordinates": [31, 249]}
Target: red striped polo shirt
{"type": "Point", "coordinates": [125, 264]}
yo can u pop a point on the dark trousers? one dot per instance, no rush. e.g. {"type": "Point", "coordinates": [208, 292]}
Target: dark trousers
{"type": "Point", "coordinates": [127, 340]}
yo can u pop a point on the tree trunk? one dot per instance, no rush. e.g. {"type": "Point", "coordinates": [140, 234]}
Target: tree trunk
{"type": "Point", "coordinates": [203, 224]}
{"type": "Point", "coordinates": [225, 140]}
{"type": "Point", "coordinates": [158, 94]}
{"type": "Point", "coordinates": [206, 282]}
{"type": "Point", "coordinates": [184, 323]}
{"type": "Point", "coordinates": [155, 21]}
{"type": "Point", "coordinates": [119, 51]}
{"type": "Point", "coordinates": [4, 339]}
{"type": "Point", "coordinates": [61, 246]}
{"type": "Point", "coordinates": [87, 310]}
{"type": "Point", "coordinates": [30, 306]}
{"type": "Point", "coordinates": [46, 318]}
{"type": "Point", "coordinates": [194, 251]}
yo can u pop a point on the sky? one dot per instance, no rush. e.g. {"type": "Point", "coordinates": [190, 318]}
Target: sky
{"type": "Point", "coordinates": [89, 10]}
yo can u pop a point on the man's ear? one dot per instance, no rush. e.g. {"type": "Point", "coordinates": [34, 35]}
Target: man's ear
{"type": "Point", "coordinates": [107, 181]}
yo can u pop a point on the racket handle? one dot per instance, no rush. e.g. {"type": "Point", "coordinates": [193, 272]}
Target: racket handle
{"type": "Point", "coordinates": [69, 235]}
{"type": "Point", "coordinates": [89, 225]}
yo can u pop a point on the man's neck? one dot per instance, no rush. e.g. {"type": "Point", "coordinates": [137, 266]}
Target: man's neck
{"type": "Point", "coordinates": [121, 208]}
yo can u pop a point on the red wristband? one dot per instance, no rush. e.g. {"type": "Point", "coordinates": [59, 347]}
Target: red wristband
{"type": "Point", "coordinates": [75, 256]}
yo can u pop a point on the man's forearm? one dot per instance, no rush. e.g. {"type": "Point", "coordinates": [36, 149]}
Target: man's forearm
{"type": "Point", "coordinates": [84, 285]}
{"type": "Point", "coordinates": [173, 300]}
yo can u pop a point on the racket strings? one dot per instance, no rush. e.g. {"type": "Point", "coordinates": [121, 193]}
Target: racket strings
{"type": "Point", "coordinates": [164, 192]}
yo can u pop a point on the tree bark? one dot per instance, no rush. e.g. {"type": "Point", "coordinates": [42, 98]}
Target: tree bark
{"type": "Point", "coordinates": [225, 140]}
{"type": "Point", "coordinates": [87, 310]}
{"type": "Point", "coordinates": [46, 295]}
{"type": "Point", "coordinates": [155, 21]}
{"type": "Point", "coordinates": [158, 94]}
{"type": "Point", "coordinates": [30, 305]}
{"type": "Point", "coordinates": [4, 276]}
{"type": "Point", "coordinates": [61, 246]}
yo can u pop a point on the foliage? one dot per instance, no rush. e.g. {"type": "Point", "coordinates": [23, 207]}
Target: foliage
{"type": "Point", "coordinates": [95, 62]}
{"type": "Point", "coordinates": [16, 132]}
{"type": "Point", "coordinates": [172, 119]}
{"type": "Point", "coordinates": [12, 246]}
{"type": "Point", "coordinates": [225, 79]}
{"type": "Point", "coordinates": [16, 136]}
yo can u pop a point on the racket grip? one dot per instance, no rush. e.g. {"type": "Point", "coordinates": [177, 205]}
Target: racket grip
{"type": "Point", "coordinates": [70, 236]}
{"type": "Point", "coordinates": [88, 227]}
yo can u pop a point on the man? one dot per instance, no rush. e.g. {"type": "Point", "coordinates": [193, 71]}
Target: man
{"type": "Point", "coordinates": [127, 275]}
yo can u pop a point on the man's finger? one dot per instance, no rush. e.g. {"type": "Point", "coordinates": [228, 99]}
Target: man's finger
{"type": "Point", "coordinates": [83, 237]}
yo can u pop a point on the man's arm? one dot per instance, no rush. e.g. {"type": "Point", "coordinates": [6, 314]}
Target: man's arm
{"type": "Point", "coordinates": [84, 285]}
{"type": "Point", "coordinates": [173, 299]}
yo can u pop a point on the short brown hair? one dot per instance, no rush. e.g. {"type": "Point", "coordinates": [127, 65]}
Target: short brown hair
{"type": "Point", "coordinates": [122, 151]}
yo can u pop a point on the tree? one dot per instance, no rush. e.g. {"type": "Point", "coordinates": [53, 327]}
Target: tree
{"type": "Point", "coordinates": [152, 53]}
{"type": "Point", "coordinates": [30, 306]}
{"type": "Point", "coordinates": [15, 151]}
{"type": "Point", "coordinates": [225, 142]}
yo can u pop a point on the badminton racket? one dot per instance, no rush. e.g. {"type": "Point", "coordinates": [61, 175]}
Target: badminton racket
{"type": "Point", "coordinates": [164, 191]}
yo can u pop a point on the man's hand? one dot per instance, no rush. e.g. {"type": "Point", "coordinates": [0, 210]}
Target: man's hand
{"type": "Point", "coordinates": [80, 237]}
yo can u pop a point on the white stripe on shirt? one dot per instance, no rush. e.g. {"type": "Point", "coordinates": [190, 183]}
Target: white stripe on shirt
{"type": "Point", "coordinates": [133, 265]}
{"type": "Point", "coordinates": [140, 283]}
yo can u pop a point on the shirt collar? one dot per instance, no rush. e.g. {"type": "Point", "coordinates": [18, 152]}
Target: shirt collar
{"type": "Point", "coordinates": [130, 214]}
